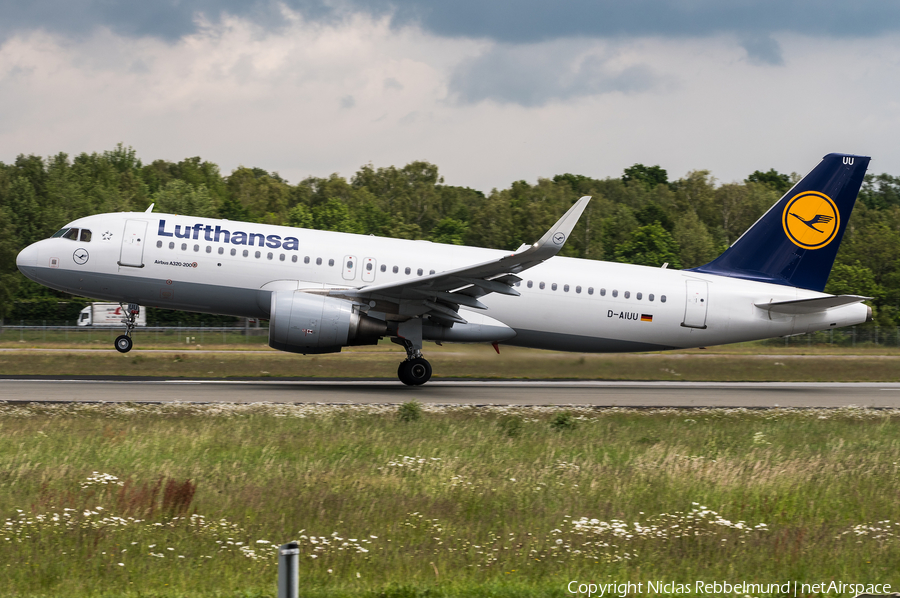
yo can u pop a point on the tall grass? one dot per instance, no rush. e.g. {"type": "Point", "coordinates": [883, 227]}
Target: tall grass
{"type": "Point", "coordinates": [175, 500]}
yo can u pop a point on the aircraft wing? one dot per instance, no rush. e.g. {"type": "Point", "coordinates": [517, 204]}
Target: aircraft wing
{"type": "Point", "coordinates": [440, 295]}
{"type": "Point", "coordinates": [809, 306]}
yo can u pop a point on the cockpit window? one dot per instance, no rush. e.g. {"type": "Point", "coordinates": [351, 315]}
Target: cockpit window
{"type": "Point", "coordinates": [59, 233]}
{"type": "Point", "coordinates": [72, 234]}
{"type": "Point", "coordinates": [85, 235]}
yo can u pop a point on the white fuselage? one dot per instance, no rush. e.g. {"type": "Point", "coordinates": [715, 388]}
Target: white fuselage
{"type": "Point", "coordinates": [565, 303]}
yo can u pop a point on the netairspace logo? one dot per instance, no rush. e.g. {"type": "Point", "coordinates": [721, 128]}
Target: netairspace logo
{"type": "Point", "coordinates": [719, 588]}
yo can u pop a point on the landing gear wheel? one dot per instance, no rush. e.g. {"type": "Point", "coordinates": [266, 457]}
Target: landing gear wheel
{"type": "Point", "coordinates": [123, 344]}
{"type": "Point", "coordinates": [414, 372]}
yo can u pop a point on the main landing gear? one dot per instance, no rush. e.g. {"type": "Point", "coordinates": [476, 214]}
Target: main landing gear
{"type": "Point", "coordinates": [415, 371]}
{"type": "Point", "coordinates": [123, 342]}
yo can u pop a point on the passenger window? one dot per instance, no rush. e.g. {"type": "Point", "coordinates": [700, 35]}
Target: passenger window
{"type": "Point", "coordinates": [578, 289]}
{"type": "Point", "coordinates": [419, 272]}
{"type": "Point", "coordinates": [171, 245]}
{"type": "Point", "coordinates": [383, 268]}
{"type": "Point", "coordinates": [408, 270]}
{"type": "Point", "coordinates": [85, 236]}
{"type": "Point", "coordinates": [350, 265]}
{"type": "Point", "coordinates": [294, 258]}
{"type": "Point", "coordinates": [553, 287]}
{"type": "Point", "coordinates": [184, 246]}
{"type": "Point", "coordinates": [306, 260]}
{"type": "Point", "coordinates": [519, 283]}
{"type": "Point", "coordinates": [530, 284]}
{"type": "Point", "coordinates": [640, 296]}
{"type": "Point", "coordinates": [257, 254]}
{"type": "Point", "coordinates": [566, 288]}
{"type": "Point", "coordinates": [281, 257]}
{"type": "Point", "coordinates": [615, 293]}
{"type": "Point", "coordinates": [233, 251]}
{"type": "Point", "coordinates": [196, 248]}
{"type": "Point", "coordinates": [396, 269]}
{"type": "Point", "coordinates": [650, 296]}
{"type": "Point", "coordinates": [208, 249]}
{"type": "Point", "coordinates": [603, 292]}
{"type": "Point", "coordinates": [331, 262]}
{"type": "Point", "coordinates": [369, 267]}
{"type": "Point", "coordinates": [318, 261]}
{"type": "Point", "coordinates": [246, 253]}
{"type": "Point", "coordinates": [221, 250]}
{"type": "Point", "coordinates": [542, 285]}
{"type": "Point", "coordinates": [430, 272]}
{"type": "Point", "coordinates": [269, 255]}
{"type": "Point", "coordinates": [158, 244]}
{"type": "Point", "coordinates": [72, 234]}
{"type": "Point", "coordinates": [591, 291]}
{"type": "Point", "coordinates": [628, 294]}
{"type": "Point", "coordinates": [662, 298]}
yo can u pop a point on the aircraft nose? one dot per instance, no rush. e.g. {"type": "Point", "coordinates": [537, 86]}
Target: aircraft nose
{"type": "Point", "coordinates": [27, 258]}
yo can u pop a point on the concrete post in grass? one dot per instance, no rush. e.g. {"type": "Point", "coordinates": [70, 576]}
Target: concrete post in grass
{"type": "Point", "coordinates": [289, 570]}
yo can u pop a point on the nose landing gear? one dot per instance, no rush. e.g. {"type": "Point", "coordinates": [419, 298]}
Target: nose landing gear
{"type": "Point", "coordinates": [123, 342]}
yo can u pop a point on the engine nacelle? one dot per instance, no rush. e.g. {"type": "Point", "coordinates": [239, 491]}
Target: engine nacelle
{"type": "Point", "coordinates": [305, 323]}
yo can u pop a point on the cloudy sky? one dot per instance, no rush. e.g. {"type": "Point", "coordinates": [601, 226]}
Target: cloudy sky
{"type": "Point", "coordinates": [492, 91]}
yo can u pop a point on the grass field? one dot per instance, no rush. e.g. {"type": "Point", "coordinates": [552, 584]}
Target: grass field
{"type": "Point", "coordinates": [182, 500]}
{"type": "Point", "coordinates": [465, 361]}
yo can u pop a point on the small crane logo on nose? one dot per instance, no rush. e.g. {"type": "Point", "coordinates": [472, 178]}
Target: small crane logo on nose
{"type": "Point", "coordinates": [80, 256]}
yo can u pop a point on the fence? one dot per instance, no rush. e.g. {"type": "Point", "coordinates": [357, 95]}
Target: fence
{"type": "Point", "coordinates": [885, 336]}
{"type": "Point", "coordinates": [241, 334]}
{"type": "Point", "coordinates": [68, 333]}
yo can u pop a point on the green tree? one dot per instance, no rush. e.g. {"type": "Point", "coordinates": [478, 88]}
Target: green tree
{"type": "Point", "coordinates": [333, 215]}
{"type": "Point", "coordinates": [300, 216]}
{"type": "Point", "coordinates": [853, 279]}
{"type": "Point", "coordinates": [649, 176]}
{"type": "Point", "coordinates": [774, 179]}
{"type": "Point", "coordinates": [449, 231]}
{"type": "Point", "coordinates": [180, 197]}
{"type": "Point", "coordinates": [696, 245]}
{"type": "Point", "coordinates": [649, 245]}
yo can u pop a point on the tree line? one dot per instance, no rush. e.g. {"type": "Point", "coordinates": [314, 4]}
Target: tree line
{"type": "Point", "coordinates": [640, 217]}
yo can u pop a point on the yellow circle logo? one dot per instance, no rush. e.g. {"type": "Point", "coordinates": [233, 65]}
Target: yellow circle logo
{"type": "Point", "coordinates": [811, 220]}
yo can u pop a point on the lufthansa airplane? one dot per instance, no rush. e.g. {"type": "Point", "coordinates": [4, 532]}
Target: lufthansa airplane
{"type": "Point", "coordinates": [322, 291]}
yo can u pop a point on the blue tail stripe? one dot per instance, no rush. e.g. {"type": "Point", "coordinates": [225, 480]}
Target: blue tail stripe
{"type": "Point", "coordinates": [796, 241]}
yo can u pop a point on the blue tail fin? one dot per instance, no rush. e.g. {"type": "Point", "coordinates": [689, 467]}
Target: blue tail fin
{"type": "Point", "coordinates": [796, 241]}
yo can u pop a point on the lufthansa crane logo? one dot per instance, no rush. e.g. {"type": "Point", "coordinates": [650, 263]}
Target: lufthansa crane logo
{"type": "Point", "coordinates": [811, 220]}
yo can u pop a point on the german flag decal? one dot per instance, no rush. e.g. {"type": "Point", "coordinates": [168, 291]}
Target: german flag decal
{"type": "Point", "coordinates": [646, 318]}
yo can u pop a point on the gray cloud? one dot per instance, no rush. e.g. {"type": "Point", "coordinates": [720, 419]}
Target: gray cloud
{"type": "Point", "coordinates": [763, 50]}
{"type": "Point", "coordinates": [510, 21]}
{"type": "Point", "coordinates": [533, 75]}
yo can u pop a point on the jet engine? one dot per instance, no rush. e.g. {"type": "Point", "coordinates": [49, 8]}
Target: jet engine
{"type": "Point", "coordinates": [305, 323]}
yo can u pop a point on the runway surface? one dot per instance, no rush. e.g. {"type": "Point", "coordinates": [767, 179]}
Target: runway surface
{"type": "Point", "coordinates": [461, 392]}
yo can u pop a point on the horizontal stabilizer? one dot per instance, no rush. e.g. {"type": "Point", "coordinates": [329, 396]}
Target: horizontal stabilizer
{"type": "Point", "coordinates": [809, 306]}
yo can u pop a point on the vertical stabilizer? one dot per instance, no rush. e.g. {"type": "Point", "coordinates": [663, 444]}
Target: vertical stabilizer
{"type": "Point", "coordinates": [796, 241]}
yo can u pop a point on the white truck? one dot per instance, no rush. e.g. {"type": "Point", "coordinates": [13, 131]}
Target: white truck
{"type": "Point", "coordinates": [108, 315]}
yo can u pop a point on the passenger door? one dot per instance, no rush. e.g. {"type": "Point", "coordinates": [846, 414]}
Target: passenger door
{"type": "Point", "coordinates": [696, 305]}
{"type": "Point", "coordinates": [132, 254]}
